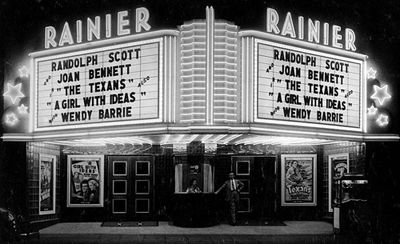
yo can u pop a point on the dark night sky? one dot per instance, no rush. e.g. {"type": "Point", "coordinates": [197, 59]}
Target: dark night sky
{"type": "Point", "coordinates": [376, 24]}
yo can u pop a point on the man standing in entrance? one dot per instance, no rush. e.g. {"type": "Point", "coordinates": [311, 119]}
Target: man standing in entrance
{"type": "Point", "coordinates": [232, 188]}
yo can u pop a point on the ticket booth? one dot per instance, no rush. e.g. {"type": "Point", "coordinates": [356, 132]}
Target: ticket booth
{"type": "Point", "coordinates": [194, 199]}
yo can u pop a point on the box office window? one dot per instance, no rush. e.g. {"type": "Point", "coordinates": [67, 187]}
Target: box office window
{"type": "Point", "coordinates": [185, 174]}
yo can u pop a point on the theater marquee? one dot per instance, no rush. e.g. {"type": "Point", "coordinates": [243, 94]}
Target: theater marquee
{"type": "Point", "coordinates": [118, 84]}
{"type": "Point", "coordinates": [308, 88]}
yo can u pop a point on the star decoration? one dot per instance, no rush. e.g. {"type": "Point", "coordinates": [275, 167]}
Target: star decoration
{"type": "Point", "coordinates": [372, 110]}
{"type": "Point", "coordinates": [382, 120]}
{"type": "Point", "coordinates": [11, 119]}
{"type": "Point", "coordinates": [22, 109]}
{"type": "Point", "coordinates": [381, 94]}
{"type": "Point", "coordinates": [13, 92]}
{"type": "Point", "coordinates": [23, 71]}
{"type": "Point", "coordinates": [371, 73]}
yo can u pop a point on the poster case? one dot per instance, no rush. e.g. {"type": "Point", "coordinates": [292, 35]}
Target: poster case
{"type": "Point", "coordinates": [47, 184]}
{"type": "Point", "coordinates": [85, 178]}
{"type": "Point", "coordinates": [299, 179]}
{"type": "Point", "coordinates": [338, 165]}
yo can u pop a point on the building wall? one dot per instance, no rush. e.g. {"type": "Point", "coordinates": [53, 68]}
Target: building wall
{"type": "Point", "coordinates": [13, 179]}
{"type": "Point", "coordinates": [33, 151]}
{"type": "Point", "coordinates": [357, 155]}
{"type": "Point", "coordinates": [165, 179]}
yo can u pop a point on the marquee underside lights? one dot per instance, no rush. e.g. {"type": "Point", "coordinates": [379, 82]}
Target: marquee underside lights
{"type": "Point", "coordinates": [14, 92]}
{"type": "Point", "coordinates": [181, 140]}
{"type": "Point", "coordinates": [381, 94]}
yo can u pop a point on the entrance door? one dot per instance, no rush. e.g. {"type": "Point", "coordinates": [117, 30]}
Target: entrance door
{"type": "Point", "coordinates": [131, 187]}
{"type": "Point", "coordinates": [258, 196]}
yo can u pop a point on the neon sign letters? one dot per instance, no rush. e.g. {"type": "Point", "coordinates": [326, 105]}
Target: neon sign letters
{"type": "Point", "coordinates": [96, 29]}
{"type": "Point", "coordinates": [311, 31]}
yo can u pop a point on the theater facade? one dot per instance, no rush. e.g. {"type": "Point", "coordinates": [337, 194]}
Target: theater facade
{"type": "Point", "coordinates": [112, 117]}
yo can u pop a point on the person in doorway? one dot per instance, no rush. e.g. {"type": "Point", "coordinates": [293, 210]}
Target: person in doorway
{"type": "Point", "coordinates": [232, 188]}
{"type": "Point", "coordinates": [193, 188]}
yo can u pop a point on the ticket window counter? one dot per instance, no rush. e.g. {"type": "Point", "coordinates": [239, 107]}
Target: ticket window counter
{"type": "Point", "coordinates": [196, 170]}
{"type": "Point", "coordinates": [194, 208]}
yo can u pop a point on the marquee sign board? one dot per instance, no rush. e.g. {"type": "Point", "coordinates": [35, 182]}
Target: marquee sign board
{"type": "Point", "coordinates": [114, 85]}
{"type": "Point", "coordinates": [308, 88]}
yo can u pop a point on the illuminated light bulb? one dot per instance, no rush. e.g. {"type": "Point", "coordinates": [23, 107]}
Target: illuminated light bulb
{"type": "Point", "coordinates": [371, 73]}
{"type": "Point", "coordinates": [372, 110]}
{"type": "Point", "coordinates": [22, 109]}
{"type": "Point", "coordinates": [382, 120]}
{"type": "Point", "coordinates": [23, 71]}
{"type": "Point", "coordinates": [11, 119]}
{"type": "Point", "coordinates": [13, 92]}
{"type": "Point", "coordinates": [381, 94]}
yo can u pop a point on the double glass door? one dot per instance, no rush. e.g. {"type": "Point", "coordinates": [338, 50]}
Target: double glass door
{"type": "Point", "coordinates": [258, 196]}
{"type": "Point", "coordinates": [131, 187]}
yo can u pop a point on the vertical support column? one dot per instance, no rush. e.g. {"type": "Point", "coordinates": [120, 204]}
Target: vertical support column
{"type": "Point", "coordinates": [248, 104]}
{"type": "Point", "coordinates": [169, 78]}
{"type": "Point", "coordinates": [209, 65]}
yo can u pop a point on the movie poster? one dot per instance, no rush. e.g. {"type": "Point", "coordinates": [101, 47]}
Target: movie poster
{"type": "Point", "coordinates": [85, 177]}
{"type": "Point", "coordinates": [298, 174]}
{"type": "Point", "coordinates": [338, 165]}
{"type": "Point", "coordinates": [47, 184]}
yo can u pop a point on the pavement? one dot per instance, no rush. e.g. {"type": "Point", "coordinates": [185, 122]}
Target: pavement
{"type": "Point", "coordinates": [93, 232]}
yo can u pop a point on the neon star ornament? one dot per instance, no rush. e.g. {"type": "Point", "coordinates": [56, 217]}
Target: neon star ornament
{"type": "Point", "coordinates": [11, 119]}
{"type": "Point", "coordinates": [22, 109]}
{"type": "Point", "coordinates": [371, 73]}
{"type": "Point", "coordinates": [13, 92]}
{"type": "Point", "coordinates": [372, 110]}
{"type": "Point", "coordinates": [381, 94]}
{"type": "Point", "coordinates": [23, 71]}
{"type": "Point", "coordinates": [382, 120]}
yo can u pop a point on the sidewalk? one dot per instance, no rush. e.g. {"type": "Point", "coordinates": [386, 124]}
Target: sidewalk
{"type": "Point", "coordinates": [293, 232]}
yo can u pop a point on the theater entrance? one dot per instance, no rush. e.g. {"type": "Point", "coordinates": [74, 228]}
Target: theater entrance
{"type": "Point", "coordinates": [131, 187]}
{"type": "Point", "coordinates": [258, 197]}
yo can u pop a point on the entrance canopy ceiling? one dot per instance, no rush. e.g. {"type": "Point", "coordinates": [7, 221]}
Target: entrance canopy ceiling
{"type": "Point", "coordinates": [232, 139]}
